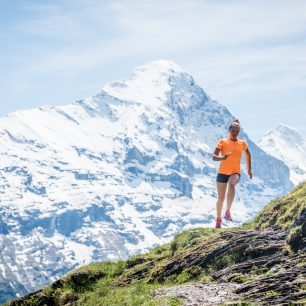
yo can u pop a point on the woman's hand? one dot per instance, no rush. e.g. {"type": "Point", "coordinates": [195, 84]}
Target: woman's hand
{"type": "Point", "coordinates": [226, 155]}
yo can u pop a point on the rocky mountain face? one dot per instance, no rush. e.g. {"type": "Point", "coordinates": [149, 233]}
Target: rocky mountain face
{"type": "Point", "coordinates": [288, 145]}
{"type": "Point", "coordinates": [260, 263]}
{"type": "Point", "coordinates": [114, 175]}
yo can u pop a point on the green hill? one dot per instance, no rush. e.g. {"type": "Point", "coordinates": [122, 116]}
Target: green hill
{"type": "Point", "coordinates": [263, 262]}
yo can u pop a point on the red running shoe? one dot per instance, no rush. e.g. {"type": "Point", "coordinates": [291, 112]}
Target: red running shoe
{"type": "Point", "coordinates": [228, 216]}
{"type": "Point", "coordinates": [218, 223]}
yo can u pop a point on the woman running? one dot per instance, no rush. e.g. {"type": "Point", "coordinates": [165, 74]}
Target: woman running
{"type": "Point", "coordinates": [229, 172]}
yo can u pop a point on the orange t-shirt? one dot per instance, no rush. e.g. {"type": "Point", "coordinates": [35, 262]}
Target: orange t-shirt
{"type": "Point", "coordinates": [232, 164]}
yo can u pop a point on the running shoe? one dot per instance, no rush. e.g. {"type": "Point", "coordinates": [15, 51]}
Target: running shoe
{"type": "Point", "coordinates": [218, 223]}
{"type": "Point", "coordinates": [228, 216]}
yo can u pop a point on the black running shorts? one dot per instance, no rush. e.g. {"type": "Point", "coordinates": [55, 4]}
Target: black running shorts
{"type": "Point", "coordinates": [223, 178]}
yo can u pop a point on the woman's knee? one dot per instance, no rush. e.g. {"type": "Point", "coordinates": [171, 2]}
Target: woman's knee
{"type": "Point", "coordinates": [233, 181]}
{"type": "Point", "coordinates": [232, 184]}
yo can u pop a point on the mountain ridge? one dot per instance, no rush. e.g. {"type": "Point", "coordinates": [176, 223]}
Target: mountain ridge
{"type": "Point", "coordinates": [287, 144]}
{"type": "Point", "coordinates": [105, 177]}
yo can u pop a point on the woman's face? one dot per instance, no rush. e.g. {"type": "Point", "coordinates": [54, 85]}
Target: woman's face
{"type": "Point", "coordinates": [234, 131]}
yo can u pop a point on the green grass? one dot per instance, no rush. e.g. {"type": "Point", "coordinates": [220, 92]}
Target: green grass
{"type": "Point", "coordinates": [136, 294]}
{"type": "Point", "coordinates": [189, 238]}
{"type": "Point", "coordinates": [105, 292]}
{"type": "Point", "coordinates": [284, 211]}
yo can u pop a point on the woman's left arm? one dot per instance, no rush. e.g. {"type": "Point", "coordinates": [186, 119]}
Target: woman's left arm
{"type": "Point", "coordinates": [248, 159]}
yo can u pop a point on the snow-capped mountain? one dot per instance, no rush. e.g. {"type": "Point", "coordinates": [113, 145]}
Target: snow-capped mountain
{"type": "Point", "coordinates": [287, 144]}
{"type": "Point", "coordinates": [115, 174]}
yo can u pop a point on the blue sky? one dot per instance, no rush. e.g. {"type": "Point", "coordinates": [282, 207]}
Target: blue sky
{"type": "Point", "coordinates": [249, 55]}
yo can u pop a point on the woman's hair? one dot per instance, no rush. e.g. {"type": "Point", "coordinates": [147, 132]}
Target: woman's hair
{"type": "Point", "coordinates": [235, 122]}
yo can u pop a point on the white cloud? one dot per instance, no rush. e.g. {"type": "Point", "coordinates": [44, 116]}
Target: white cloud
{"type": "Point", "coordinates": [82, 35]}
{"type": "Point", "coordinates": [233, 48]}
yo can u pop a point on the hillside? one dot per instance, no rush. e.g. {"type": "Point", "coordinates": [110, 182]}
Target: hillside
{"type": "Point", "coordinates": [263, 262]}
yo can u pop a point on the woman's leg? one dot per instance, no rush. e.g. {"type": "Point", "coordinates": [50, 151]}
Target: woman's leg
{"type": "Point", "coordinates": [232, 181]}
{"type": "Point", "coordinates": [221, 187]}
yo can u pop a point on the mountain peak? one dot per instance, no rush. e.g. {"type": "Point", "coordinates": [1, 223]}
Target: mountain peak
{"type": "Point", "coordinates": [287, 144]}
{"type": "Point", "coordinates": [287, 128]}
{"type": "Point", "coordinates": [150, 83]}
{"type": "Point", "coordinates": [287, 133]}
{"type": "Point", "coordinates": [161, 67]}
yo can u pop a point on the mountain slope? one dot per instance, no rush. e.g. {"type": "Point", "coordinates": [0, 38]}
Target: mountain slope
{"type": "Point", "coordinates": [288, 145]}
{"type": "Point", "coordinates": [259, 264]}
{"type": "Point", "coordinates": [114, 175]}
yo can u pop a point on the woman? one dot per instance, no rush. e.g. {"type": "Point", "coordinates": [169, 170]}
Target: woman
{"type": "Point", "coordinates": [231, 149]}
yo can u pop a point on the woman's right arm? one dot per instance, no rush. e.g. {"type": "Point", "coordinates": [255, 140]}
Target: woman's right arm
{"type": "Point", "coordinates": [217, 157]}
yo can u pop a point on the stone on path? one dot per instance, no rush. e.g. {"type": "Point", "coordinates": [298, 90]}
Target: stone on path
{"type": "Point", "coordinates": [201, 294]}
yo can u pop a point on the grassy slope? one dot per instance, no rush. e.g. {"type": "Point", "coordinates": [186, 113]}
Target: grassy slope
{"type": "Point", "coordinates": [131, 282]}
{"type": "Point", "coordinates": [283, 212]}
{"type": "Point", "coordinates": [287, 213]}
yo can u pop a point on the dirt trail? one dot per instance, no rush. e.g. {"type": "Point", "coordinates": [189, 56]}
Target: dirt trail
{"type": "Point", "coordinates": [202, 294]}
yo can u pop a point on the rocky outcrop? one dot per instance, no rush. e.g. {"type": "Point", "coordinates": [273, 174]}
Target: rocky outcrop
{"type": "Point", "coordinates": [227, 247]}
